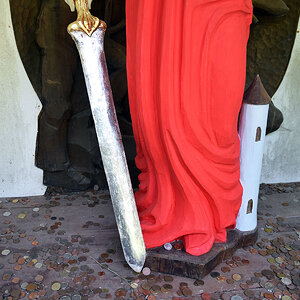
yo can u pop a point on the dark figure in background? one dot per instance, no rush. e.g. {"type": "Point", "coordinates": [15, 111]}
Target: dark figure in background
{"type": "Point", "coordinates": [65, 102]}
{"type": "Point", "coordinates": [57, 83]}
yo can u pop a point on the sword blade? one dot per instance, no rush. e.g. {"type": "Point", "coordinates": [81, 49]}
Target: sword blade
{"type": "Point", "coordinates": [94, 66]}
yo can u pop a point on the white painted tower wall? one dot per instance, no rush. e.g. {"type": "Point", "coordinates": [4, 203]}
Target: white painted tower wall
{"type": "Point", "coordinates": [251, 117]}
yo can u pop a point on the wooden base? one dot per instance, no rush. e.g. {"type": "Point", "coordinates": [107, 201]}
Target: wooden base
{"type": "Point", "coordinates": [180, 263]}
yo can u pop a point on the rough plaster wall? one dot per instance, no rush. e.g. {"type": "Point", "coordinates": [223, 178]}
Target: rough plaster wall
{"type": "Point", "coordinates": [281, 162]}
{"type": "Point", "coordinates": [19, 108]}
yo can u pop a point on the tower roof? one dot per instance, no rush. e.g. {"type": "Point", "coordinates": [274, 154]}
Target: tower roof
{"type": "Point", "coordinates": [256, 93]}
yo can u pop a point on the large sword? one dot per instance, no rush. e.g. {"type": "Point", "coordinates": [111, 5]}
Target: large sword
{"type": "Point", "coordinates": [88, 34]}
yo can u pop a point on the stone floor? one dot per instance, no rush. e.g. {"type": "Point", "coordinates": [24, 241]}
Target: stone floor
{"type": "Point", "coordinates": [66, 247]}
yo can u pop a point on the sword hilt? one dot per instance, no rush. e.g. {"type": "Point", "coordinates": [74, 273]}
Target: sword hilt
{"type": "Point", "coordinates": [85, 22]}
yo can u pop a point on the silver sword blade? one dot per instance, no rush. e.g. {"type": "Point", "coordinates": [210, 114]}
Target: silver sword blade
{"type": "Point", "coordinates": [110, 142]}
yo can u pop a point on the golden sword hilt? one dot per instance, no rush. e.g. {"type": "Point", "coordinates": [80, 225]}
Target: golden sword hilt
{"type": "Point", "coordinates": [85, 21]}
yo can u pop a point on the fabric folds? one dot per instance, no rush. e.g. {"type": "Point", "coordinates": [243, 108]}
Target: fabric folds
{"type": "Point", "coordinates": [186, 64]}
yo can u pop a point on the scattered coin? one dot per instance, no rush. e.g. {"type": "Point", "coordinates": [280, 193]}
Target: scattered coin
{"type": "Point", "coordinates": [249, 293]}
{"type": "Point", "coordinates": [21, 216]}
{"type": "Point", "coordinates": [134, 285]}
{"type": "Point", "coordinates": [24, 285]}
{"type": "Point", "coordinates": [271, 260]}
{"type": "Point", "coordinates": [244, 286]}
{"type": "Point", "coordinates": [33, 295]}
{"type": "Point", "coordinates": [279, 260]}
{"type": "Point", "coordinates": [168, 246]}
{"type": "Point", "coordinates": [225, 269]}
{"type": "Point", "coordinates": [5, 252]}
{"type": "Point", "coordinates": [168, 287]}
{"type": "Point", "coordinates": [17, 267]}
{"type": "Point", "coordinates": [267, 273]}
{"type": "Point", "coordinates": [146, 286]}
{"type": "Point", "coordinates": [6, 214]}
{"type": "Point", "coordinates": [15, 280]}
{"type": "Point", "coordinates": [55, 286]}
{"type": "Point", "coordinates": [31, 287]}
{"type": "Point", "coordinates": [205, 296]}
{"type": "Point", "coordinates": [146, 271]}
{"type": "Point", "coordinates": [286, 281]}
{"type": "Point", "coordinates": [230, 281]}
{"type": "Point", "coordinates": [198, 282]}
{"type": "Point", "coordinates": [269, 286]}
{"type": "Point", "coordinates": [187, 292]}
{"type": "Point", "coordinates": [268, 295]}
{"type": "Point", "coordinates": [214, 274]}
{"type": "Point", "coordinates": [236, 258]}
{"type": "Point", "coordinates": [221, 278]}
{"type": "Point", "coordinates": [65, 297]}
{"type": "Point", "coordinates": [236, 277]}
{"type": "Point", "coordinates": [38, 265]}
{"type": "Point", "coordinates": [168, 278]}
{"type": "Point", "coordinates": [155, 289]}
{"type": "Point", "coordinates": [21, 261]}
{"type": "Point", "coordinates": [39, 278]}
{"type": "Point", "coordinates": [6, 276]}
{"type": "Point", "coordinates": [245, 261]}
{"type": "Point", "coordinates": [120, 293]}
{"type": "Point", "coordinates": [178, 246]}
{"type": "Point", "coordinates": [263, 252]}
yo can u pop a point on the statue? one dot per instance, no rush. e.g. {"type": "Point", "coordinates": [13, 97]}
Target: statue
{"type": "Point", "coordinates": [186, 63]}
{"type": "Point", "coordinates": [79, 167]}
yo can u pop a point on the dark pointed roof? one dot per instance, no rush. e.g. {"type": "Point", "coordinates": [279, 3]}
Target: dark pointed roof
{"type": "Point", "coordinates": [256, 93]}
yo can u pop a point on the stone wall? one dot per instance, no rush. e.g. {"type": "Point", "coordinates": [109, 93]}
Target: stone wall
{"type": "Point", "coordinates": [281, 161]}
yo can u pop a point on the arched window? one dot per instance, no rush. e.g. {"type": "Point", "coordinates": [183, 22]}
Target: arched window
{"type": "Point", "coordinates": [258, 134]}
{"type": "Point", "coordinates": [250, 206]}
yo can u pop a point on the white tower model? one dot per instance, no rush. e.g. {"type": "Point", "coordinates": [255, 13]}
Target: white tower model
{"type": "Point", "coordinates": [252, 130]}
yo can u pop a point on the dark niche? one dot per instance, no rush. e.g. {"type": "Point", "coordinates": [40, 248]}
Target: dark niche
{"type": "Point", "coordinates": [67, 148]}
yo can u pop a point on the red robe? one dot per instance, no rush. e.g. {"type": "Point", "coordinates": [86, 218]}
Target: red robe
{"type": "Point", "coordinates": [186, 62]}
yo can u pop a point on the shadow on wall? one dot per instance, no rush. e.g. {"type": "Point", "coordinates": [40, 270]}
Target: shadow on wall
{"type": "Point", "coordinates": [67, 148]}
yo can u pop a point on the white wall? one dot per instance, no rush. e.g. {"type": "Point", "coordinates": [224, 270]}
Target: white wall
{"type": "Point", "coordinates": [19, 108]}
{"type": "Point", "coordinates": [281, 162]}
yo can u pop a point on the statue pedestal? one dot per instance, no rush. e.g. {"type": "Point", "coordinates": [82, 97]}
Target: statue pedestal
{"type": "Point", "coordinates": [179, 263]}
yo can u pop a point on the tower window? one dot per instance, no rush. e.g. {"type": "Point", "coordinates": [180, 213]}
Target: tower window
{"type": "Point", "coordinates": [258, 134]}
{"type": "Point", "coordinates": [250, 206]}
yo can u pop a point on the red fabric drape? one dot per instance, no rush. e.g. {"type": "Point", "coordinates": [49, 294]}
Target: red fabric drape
{"type": "Point", "coordinates": [186, 62]}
